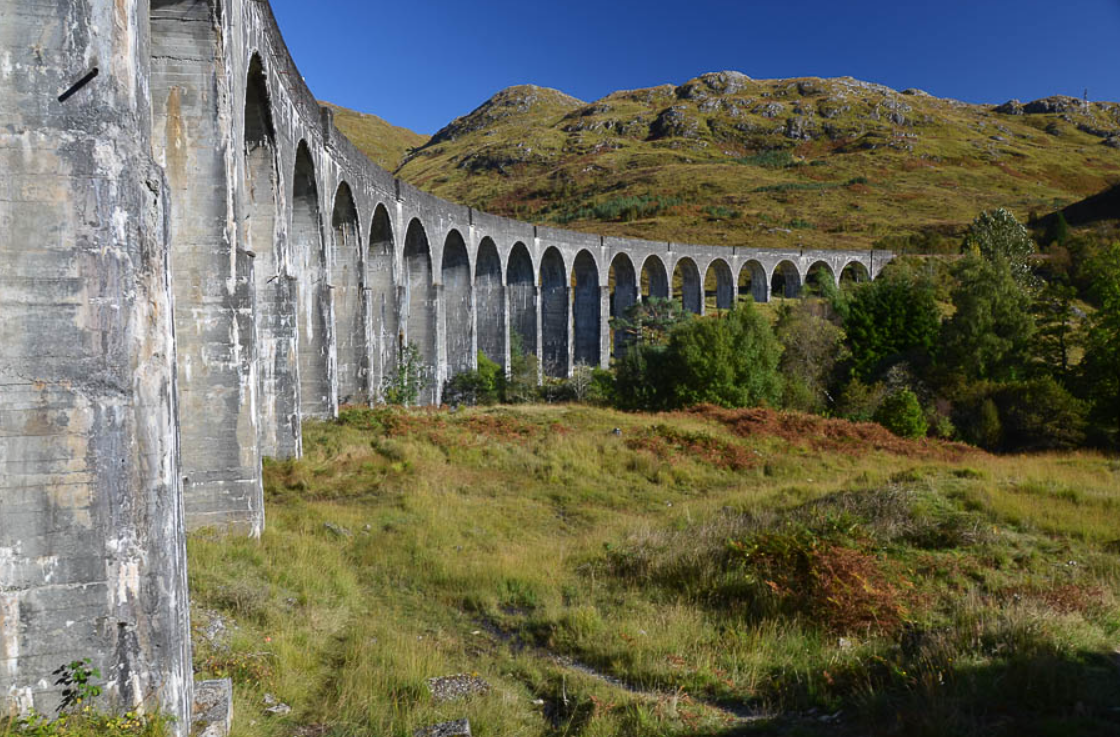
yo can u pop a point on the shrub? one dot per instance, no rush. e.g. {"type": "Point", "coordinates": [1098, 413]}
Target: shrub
{"type": "Point", "coordinates": [729, 361]}
{"type": "Point", "coordinates": [1040, 415]}
{"type": "Point", "coordinates": [902, 414]}
{"type": "Point", "coordinates": [483, 385]}
{"type": "Point", "coordinates": [859, 402]}
{"type": "Point", "coordinates": [410, 377]}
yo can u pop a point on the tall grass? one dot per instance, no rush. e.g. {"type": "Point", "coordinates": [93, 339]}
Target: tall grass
{"type": "Point", "coordinates": [410, 545]}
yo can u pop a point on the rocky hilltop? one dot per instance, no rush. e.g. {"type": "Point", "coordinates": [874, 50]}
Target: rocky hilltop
{"type": "Point", "coordinates": [728, 159]}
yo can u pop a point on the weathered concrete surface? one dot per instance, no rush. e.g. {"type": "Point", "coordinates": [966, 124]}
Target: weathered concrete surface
{"type": "Point", "coordinates": [92, 557]}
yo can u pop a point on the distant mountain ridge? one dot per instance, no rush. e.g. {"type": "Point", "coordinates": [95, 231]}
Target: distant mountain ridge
{"type": "Point", "coordinates": [726, 159]}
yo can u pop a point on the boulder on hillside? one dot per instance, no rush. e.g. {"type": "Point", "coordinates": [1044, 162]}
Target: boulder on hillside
{"type": "Point", "coordinates": [675, 122]}
{"type": "Point", "coordinates": [1011, 107]}
{"type": "Point", "coordinates": [1053, 104]}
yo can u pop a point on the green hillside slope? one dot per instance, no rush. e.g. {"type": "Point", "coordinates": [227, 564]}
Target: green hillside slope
{"type": "Point", "coordinates": [726, 159]}
{"type": "Point", "coordinates": [385, 143]}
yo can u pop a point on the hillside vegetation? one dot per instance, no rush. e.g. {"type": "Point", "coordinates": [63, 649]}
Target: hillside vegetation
{"type": "Point", "coordinates": [729, 160]}
{"type": "Point", "coordinates": [384, 143]}
{"type": "Point", "coordinates": [710, 572]}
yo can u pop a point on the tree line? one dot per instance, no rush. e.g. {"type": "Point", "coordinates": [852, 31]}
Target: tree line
{"type": "Point", "coordinates": [998, 348]}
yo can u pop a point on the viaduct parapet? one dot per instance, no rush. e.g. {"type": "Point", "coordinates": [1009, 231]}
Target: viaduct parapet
{"type": "Point", "coordinates": [193, 260]}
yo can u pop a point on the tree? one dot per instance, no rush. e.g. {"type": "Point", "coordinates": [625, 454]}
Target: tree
{"type": "Point", "coordinates": [649, 321]}
{"type": "Point", "coordinates": [998, 234]}
{"type": "Point", "coordinates": [1057, 326]}
{"type": "Point", "coordinates": [902, 414]}
{"type": "Point", "coordinates": [731, 361]}
{"type": "Point", "coordinates": [813, 347]}
{"type": "Point", "coordinates": [894, 317]}
{"type": "Point", "coordinates": [989, 335]}
{"type": "Point", "coordinates": [1057, 231]}
{"type": "Point", "coordinates": [1101, 365]}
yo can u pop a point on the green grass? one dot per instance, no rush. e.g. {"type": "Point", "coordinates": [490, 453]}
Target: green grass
{"type": "Point", "coordinates": [791, 569]}
{"type": "Point", "coordinates": [932, 174]}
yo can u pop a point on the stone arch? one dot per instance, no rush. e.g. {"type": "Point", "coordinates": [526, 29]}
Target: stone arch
{"type": "Point", "coordinates": [554, 313]}
{"type": "Point", "coordinates": [457, 307]}
{"type": "Point", "coordinates": [786, 280]}
{"type": "Point", "coordinates": [381, 286]}
{"type": "Point", "coordinates": [854, 272]}
{"type": "Point", "coordinates": [521, 284]}
{"type": "Point", "coordinates": [419, 304]}
{"type": "Point", "coordinates": [655, 278]}
{"type": "Point", "coordinates": [753, 284]}
{"type": "Point", "coordinates": [490, 308]}
{"type": "Point", "coordinates": [348, 284]}
{"type": "Point", "coordinates": [686, 284]}
{"type": "Point", "coordinates": [586, 310]}
{"type": "Point", "coordinates": [277, 374]}
{"type": "Point", "coordinates": [316, 396]}
{"type": "Point", "coordinates": [624, 293]}
{"type": "Point", "coordinates": [719, 285]}
{"type": "Point", "coordinates": [815, 277]}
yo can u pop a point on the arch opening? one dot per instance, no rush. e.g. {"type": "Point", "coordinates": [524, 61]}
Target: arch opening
{"type": "Point", "coordinates": [420, 304]}
{"type": "Point", "coordinates": [348, 282]}
{"type": "Point", "coordinates": [624, 294]}
{"type": "Point", "coordinates": [686, 284]}
{"type": "Point", "coordinates": [586, 311]}
{"type": "Point", "coordinates": [786, 281]}
{"type": "Point", "coordinates": [275, 298]}
{"type": "Point", "coordinates": [382, 297]}
{"type": "Point", "coordinates": [522, 300]}
{"type": "Point", "coordinates": [554, 314]}
{"type": "Point", "coordinates": [655, 279]}
{"type": "Point", "coordinates": [752, 282]}
{"type": "Point", "coordinates": [314, 339]}
{"type": "Point", "coordinates": [490, 309]}
{"type": "Point", "coordinates": [854, 272]}
{"type": "Point", "coordinates": [457, 307]}
{"type": "Point", "coordinates": [719, 286]}
{"type": "Point", "coordinates": [818, 277]}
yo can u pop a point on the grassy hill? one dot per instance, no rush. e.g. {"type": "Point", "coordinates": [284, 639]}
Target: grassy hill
{"type": "Point", "coordinates": [725, 159]}
{"type": "Point", "coordinates": [385, 143]}
{"type": "Point", "coordinates": [700, 573]}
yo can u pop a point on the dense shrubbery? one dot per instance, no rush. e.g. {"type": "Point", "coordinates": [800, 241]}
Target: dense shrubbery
{"type": "Point", "coordinates": [999, 371]}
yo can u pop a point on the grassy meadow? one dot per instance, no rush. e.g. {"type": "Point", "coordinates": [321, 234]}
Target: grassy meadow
{"type": "Point", "coordinates": [699, 573]}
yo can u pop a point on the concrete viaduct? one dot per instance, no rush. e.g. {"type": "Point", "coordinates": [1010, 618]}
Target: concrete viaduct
{"type": "Point", "coordinates": [193, 260]}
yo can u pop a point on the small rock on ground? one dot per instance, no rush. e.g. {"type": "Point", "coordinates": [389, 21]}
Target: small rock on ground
{"type": "Point", "coordinates": [451, 688]}
{"type": "Point", "coordinates": [457, 728]}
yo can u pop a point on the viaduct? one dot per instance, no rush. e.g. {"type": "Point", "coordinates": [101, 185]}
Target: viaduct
{"type": "Point", "coordinates": [193, 260]}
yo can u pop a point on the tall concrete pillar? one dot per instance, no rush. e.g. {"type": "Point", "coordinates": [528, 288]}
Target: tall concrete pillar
{"type": "Point", "coordinates": [604, 327]}
{"type": "Point", "coordinates": [214, 323]}
{"type": "Point", "coordinates": [92, 553]}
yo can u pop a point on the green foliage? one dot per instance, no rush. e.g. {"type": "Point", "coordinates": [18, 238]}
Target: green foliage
{"type": "Point", "coordinates": [730, 361]}
{"type": "Point", "coordinates": [1057, 328]}
{"type": "Point", "coordinates": [813, 349]}
{"type": "Point", "coordinates": [625, 209]}
{"type": "Point", "coordinates": [1101, 365]}
{"type": "Point", "coordinates": [643, 379]}
{"type": "Point", "coordinates": [719, 212]}
{"type": "Point", "coordinates": [1057, 231]}
{"type": "Point", "coordinates": [484, 385]}
{"type": "Point", "coordinates": [89, 723]}
{"type": "Point", "coordinates": [990, 334]}
{"type": "Point", "coordinates": [649, 321]}
{"type": "Point", "coordinates": [77, 679]}
{"type": "Point", "coordinates": [892, 318]}
{"type": "Point", "coordinates": [521, 384]}
{"type": "Point", "coordinates": [408, 379]}
{"type": "Point", "coordinates": [999, 236]}
{"type": "Point", "coordinates": [859, 402]}
{"type": "Point", "coordinates": [902, 414]}
{"type": "Point", "coordinates": [1039, 415]}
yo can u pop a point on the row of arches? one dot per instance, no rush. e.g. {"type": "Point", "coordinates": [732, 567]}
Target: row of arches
{"type": "Point", "coordinates": [333, 314]}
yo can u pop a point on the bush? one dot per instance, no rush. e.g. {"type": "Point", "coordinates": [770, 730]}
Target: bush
{"type": "Point", "coordinates": [902, 414]}
{"type": "Point", "coordinates": [1040, 415]}
{"type": "Point", "coordinates": [859, 402]}
{"type": "Point", "coordinates": [729, 361]}
{"type": "Point", "coordinates": [483, 385]}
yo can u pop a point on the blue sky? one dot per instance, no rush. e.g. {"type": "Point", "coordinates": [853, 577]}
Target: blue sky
{"type": "Point", "coordinates": [422, 63]}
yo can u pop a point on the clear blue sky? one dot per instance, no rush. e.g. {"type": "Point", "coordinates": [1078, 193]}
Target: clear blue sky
{"type": "Point", "coordinates": [421, 63]}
